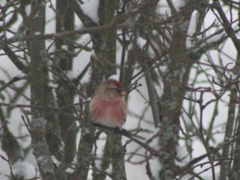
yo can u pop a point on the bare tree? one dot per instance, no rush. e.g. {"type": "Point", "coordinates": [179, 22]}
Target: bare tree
{"type": "Point", "coordinates": [184, 52]}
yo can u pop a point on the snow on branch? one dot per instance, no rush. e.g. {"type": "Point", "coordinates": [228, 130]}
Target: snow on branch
{"type": "Point", "coordinates": [90, 9]}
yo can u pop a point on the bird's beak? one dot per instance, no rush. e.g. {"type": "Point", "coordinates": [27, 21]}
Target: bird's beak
{"type": "Point", "coordinates": [123, 93]}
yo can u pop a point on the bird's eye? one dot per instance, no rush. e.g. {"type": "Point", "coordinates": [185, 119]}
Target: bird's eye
{"type": "Point", "coordinates": [118, 90]}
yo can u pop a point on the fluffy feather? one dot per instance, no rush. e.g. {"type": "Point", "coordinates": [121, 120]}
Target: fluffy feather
{"type": "Point", "coordinates": [108, 106]}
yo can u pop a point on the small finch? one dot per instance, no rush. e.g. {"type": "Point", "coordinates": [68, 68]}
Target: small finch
{"type": "Point", "coordinates": [108, 105]}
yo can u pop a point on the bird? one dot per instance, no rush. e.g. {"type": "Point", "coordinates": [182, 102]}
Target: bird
{"type": "Point", "coordinates": [108, 105]}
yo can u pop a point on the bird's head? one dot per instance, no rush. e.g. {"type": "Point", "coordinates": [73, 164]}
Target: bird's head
{"type": "Point", "coordinates": [110, 89]}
